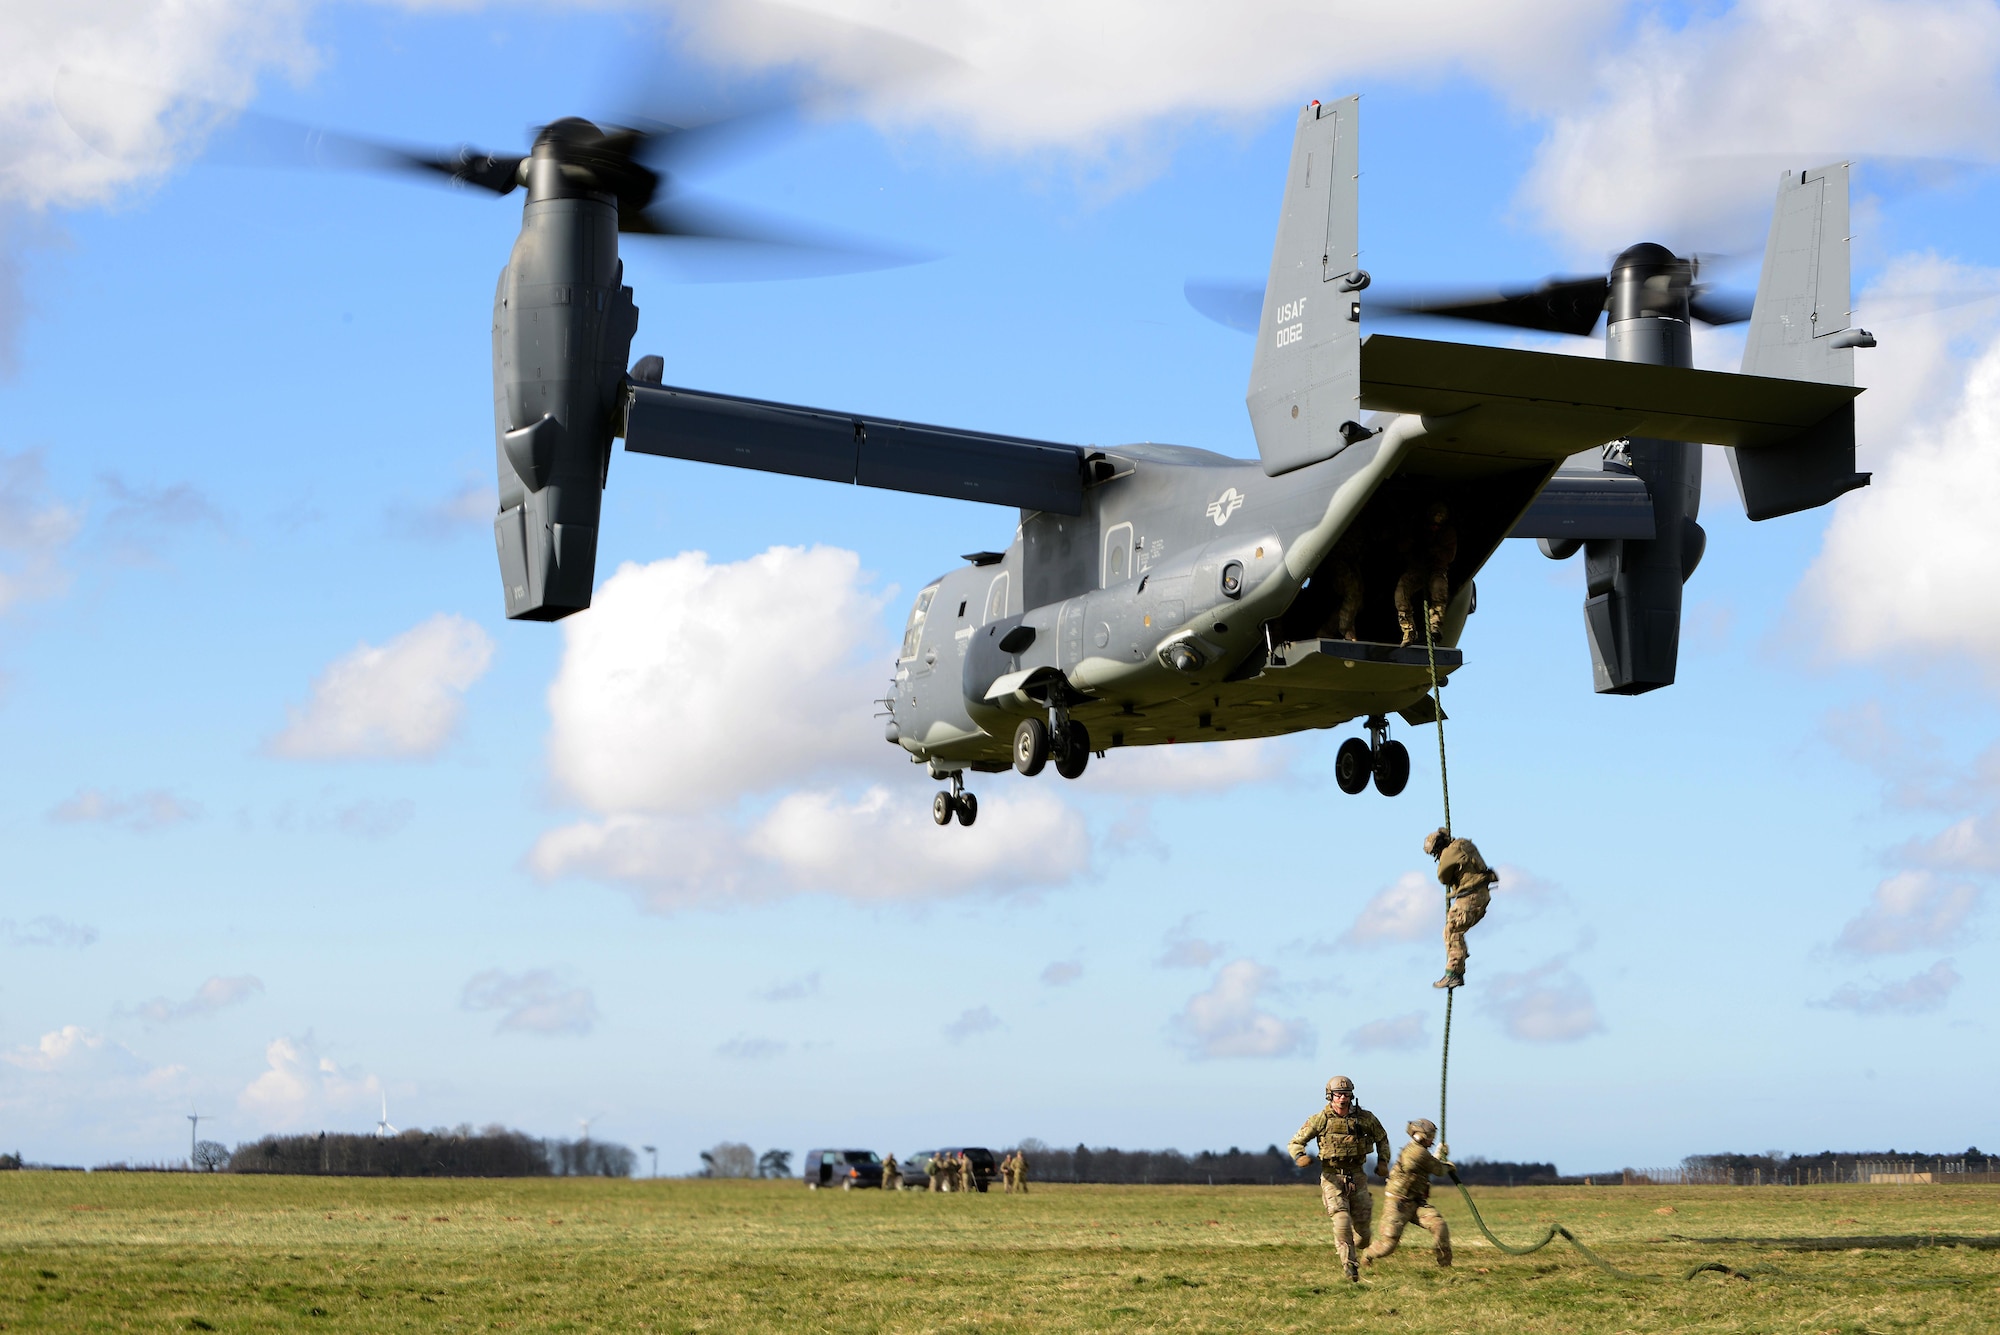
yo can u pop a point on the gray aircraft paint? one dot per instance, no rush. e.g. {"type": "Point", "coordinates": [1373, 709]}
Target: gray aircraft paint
{"type": "Point", "coordinates": [1201, 620]}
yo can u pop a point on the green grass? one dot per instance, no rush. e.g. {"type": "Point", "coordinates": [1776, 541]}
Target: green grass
{"type": "Point", "coordinates": [177, 1253]}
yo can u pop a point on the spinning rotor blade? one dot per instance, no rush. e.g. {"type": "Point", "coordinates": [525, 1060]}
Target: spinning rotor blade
{"type": "Point", "coordinates": [1712, 307]}
{"type": "Point", "coordinates": [1558, 306]}
{"type": "Point", "coordinates": [1237, 303]}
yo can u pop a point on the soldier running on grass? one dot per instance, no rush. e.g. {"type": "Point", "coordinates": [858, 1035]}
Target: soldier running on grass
{"type": "Point", "coordinates": [1344, 1130]}
{"type": "Point", "coordinates": [1408, 1198]}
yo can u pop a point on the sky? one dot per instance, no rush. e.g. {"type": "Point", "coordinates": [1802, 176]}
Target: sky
{"type": "Point", "coordinates": [299, 825]}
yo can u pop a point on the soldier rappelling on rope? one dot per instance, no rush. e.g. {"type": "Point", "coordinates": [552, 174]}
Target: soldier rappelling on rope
{"type": "Point", "coordinates": [1468, 884]}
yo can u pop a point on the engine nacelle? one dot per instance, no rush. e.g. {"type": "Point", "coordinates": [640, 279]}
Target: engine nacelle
{"type": "Point", "coordinates": [563, 323]}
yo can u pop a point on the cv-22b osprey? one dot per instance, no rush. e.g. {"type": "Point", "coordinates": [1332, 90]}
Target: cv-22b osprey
{"type": "Point", "coordinates": [1162, 594]}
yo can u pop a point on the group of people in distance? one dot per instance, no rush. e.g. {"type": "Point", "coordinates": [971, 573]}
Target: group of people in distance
{"type": "Point", "coordinates": [957, 1172]}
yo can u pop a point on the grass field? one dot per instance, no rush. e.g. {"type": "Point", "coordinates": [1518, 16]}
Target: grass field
{"type": "Point", "coordinates": [175, 1252]}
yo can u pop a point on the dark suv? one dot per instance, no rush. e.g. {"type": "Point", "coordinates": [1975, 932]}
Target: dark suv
{"type": "Point", "coordinates": [985, 1167]}
{"type": "Point", "coordinates": [846, 1169]}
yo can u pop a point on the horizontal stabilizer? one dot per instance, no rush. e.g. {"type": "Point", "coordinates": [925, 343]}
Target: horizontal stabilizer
{"type": "Point", "coordinates": [864, 451]}
{"type": "Point", "coordinates": [1544, 405]}
{"type": "Point", "coordinates": [1586, 504]}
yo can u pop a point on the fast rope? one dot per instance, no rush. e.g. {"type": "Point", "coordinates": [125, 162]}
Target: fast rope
{"type": "Point", "coordinates": [1444, 782]}
{"type": "Point", "coordinates": [1444, 1065]}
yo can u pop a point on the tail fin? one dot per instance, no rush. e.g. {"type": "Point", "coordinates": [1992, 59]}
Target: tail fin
{"type": "Point", "coordinates": [1305, 382]}
{"type": "Point", "coordinates": [1802, 329]}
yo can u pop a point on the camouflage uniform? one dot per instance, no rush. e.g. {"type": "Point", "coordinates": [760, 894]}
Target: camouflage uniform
{"type": "Point", "coordinates": [963, 1171]}
{"type": "Point", "coordinates": [892, 1174]}
{"type": "Point", "coordinates": [1408, 1198]}
{"type": "Point", "coordinates": [1469, 881]}
{"type": "Point", "coordinates": [1007, 1173]}
{"type": "Point", "coordinates": [1343, 1144]}
{"type": "Point", "coordinates": [1428, 578]}
{"type": "Point", "coordinates": [934, 1168]}
{"type": "Point", "coordinates": [1021, 1172]}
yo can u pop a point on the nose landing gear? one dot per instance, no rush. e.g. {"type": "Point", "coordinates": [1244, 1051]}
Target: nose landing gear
{"type": "Point", "coordinates": [1387, 762]}
{"type": "Point", "coordinates": [957, 802]}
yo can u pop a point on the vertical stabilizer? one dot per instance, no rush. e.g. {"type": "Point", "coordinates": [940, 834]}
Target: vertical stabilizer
{"type": "Point", "coordinates": [1802, 329]}
{"type": "Point", "coordinates": [1305, 381]}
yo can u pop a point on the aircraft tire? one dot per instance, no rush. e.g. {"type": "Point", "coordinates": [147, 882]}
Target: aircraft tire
{"type": "Point", "coordinates": [1392, 769]}
{"type": "Point", "coordinates": [1075, 752]}
{"type": "Point", "coordinates": [968, 809]}
{"type": "Point", "coordinates": [941, 806]}
{"type": "Point", "coordinates": [1031, 746]}
{"type": "Point", "coordinates": [1352, 764]}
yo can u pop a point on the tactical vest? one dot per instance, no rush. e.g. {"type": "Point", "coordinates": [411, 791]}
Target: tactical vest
{"type": "Point", "coordinates": [1347, 1140]}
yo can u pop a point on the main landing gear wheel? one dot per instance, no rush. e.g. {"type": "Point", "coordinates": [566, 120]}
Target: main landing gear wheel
{"type": "Point", "coordinates": [1352, 765]}
{"type": "Point", "coordinates": [1392, 768]}
{"type": "Point", "coordinates": [968, 809]}
{"type": "Point", "coordinates": [942, 807]}
{"type": "Point", "coordinates": [1075, 755]}
{"type": "Point", "coordinates": [1031, 746]}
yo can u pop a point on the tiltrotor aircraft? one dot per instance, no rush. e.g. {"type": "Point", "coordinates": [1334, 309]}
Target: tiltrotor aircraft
{"type": "Point", "coordinates": [1158, 594]}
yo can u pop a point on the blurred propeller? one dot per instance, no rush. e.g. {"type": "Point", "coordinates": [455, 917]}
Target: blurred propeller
{"type": "Point", "coordinates": [633, 164]}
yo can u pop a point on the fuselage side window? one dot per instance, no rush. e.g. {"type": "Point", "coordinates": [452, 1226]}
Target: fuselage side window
{"type": "Point", "coordinates": [1118, 555]}
{"type": "Point", "coordinates": [996, 597]}
{"type": "Point", "coordinates": [913, 636]}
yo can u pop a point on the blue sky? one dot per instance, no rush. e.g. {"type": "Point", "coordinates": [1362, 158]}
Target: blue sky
{"type": "Point", "coordinates": [297, 820]}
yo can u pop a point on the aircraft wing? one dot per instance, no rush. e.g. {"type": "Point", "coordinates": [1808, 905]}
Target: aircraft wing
{"type": "Point", "coordinates": [847, 447]}
{"type": "Point", "coordinates": [1513, 403]}
{"type": "Point", "coordinates": [1586, 503]}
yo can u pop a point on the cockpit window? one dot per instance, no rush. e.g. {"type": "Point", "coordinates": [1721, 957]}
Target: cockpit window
{"type": "Point", "coordinates": [914, 634]}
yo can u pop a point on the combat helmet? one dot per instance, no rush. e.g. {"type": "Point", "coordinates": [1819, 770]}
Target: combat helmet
{"type": "Point", "coordinates": [1435, 841]}
{"type": "Point", "coordinates": [1423, 1126]}
{"type": "Point", "coordinates": [1340, 1084]}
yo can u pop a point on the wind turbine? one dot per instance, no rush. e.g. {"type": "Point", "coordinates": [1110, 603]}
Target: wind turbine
{"type": "Point", "coordinates": [655, 1152]}
{"type": "Point", "coordinates": [382, 1128]}
{"type": "Point", "coordinates": [194, 1124]}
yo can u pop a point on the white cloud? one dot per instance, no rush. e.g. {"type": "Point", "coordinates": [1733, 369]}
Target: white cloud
{"type": "Point", "coordinates": [1685, 137]}
{"type": "Point", "coordinates": [48, 930]}
{"type": "Point", "coordinates": [1228, 1020]}
{"type": "Point", "coordinates": [1920, 992]}
{"type": "Point", "coordinates": [1971, 844]}
{"type": "Point", "coordinates": [1400, 1033]}
{"type": "Point", "coordinates": [151, 52]}
{"type": "Point", "coordinates": [793, 989]}
{"type": "Point", "coordinates": [1911, 910]}
{"type": "Point", "coordinates": [1062, 973]}
{"type": "Point", "coordinates": [535, 1002]}
{"type": "Point", "coordinates": [35, 529]}
{"type": "Point", "coordinates": [1116, 77]}
{"type": "Point", "coordinates": [969, 1024]}
{"type": "Point", "coordinates": [674, 697]}
{"type": "Point", "coordinates": [1909, 567]}
{"type": "Point", "coordinates": [400, 700]}
{"type": "Point", "coordinates": [877, 847]}
{"type": "Point", "coordinates": [142, 812]}
{"type": "Point", "coordinates": [75, 1050]}
{"type": "Point", "coordinates": [1411, 909]}
{"type": "Point", "coordinates": [301, 1086]}
{"type": "Point", "coordinates": [218, 993]}
{"type": "Point", "coordinates": [1183, 950]}
{"type": "Point", "coordinates": [1191, 768]}
{"type": "Point", "coordinates": [1546, 1004]}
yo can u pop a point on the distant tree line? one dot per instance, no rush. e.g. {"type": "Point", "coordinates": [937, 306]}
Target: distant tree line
{"type": "Point", "coordinates": [732, 1158]}
{"type": "Point", "coordinates": [1046, 1163]}
{"type": "Point", "coordinates": [1827, 1165]}
{"type": "Point", "coordinates": [493, 1152]}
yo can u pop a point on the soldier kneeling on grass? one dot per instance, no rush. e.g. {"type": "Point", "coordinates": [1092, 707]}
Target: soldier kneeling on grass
{"type": "Point", "coordinates": [1409, 1197]}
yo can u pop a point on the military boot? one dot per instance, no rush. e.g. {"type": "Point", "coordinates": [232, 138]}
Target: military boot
{"type": "Point", "coordinates": [1353, 1273]}
{"type": "Point", "coordinates": [1452, 978]}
